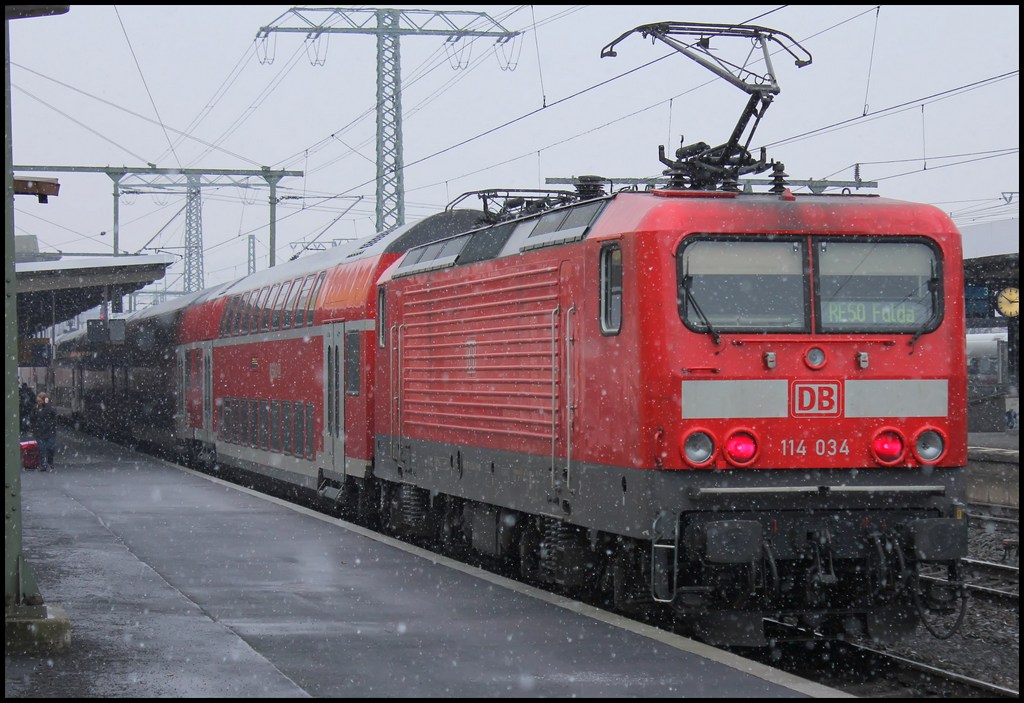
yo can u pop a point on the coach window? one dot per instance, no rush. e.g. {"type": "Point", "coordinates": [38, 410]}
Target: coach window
{"type": "Point", "coordinates": [225, 315]}
{"type": "Point", "coordinates": [286, 292]}
{"type": "Point", "coordinates": [233, 309]}
{"type": "Point", "coordinates": [243, 318]}
{"type": "Point", "coordinates": [258, 308]}
{"type": "Point", "coordinates": [236, 319]}
{"type": "Point", "coordinates": [611, 289]}
{"type": "Point", "coordinates": [352, 363]}
{"type": "Point", "coordinates": [236, 312]}
{"type": "Point", "coordinates": [269, 307]}
{"type": "Point", "coordinates": [181, 383]}
{"type": "Point", "coordinates": [242, 436]}
{"type": "Point", "coordinates": [225, 420]}
{"type": "Point", "coordinates": [289, 303]}
{"type": "Point", "coordinates": [275, 425]}
{"type": "Point", "coordinates": [253, 439]}
{"type": "Point", "coordinates": [299, 431]}
{"type": "Point", "coordinates": [299, 314]}
{"type": "Point", "coordinates": [311, 306]}
{"type": "Point", "coordinates": [286, 427]}
{"type": "Point", "coordinates": [310, 440]}
{"type": "Point", "coordinates": [243, 322]}
{"type": "Point", "coordinates": [264, 424]}
{"type": "Point", "coordinates": [235, 411]}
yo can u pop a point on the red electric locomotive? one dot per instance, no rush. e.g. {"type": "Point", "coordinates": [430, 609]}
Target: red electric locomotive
{"type": "Point", "coordinates": [729, 407]}
{"type": "Point", "coordinates": [742, 405]}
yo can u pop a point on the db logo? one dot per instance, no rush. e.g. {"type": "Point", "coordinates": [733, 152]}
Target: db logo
{"type": "Point", "coordinates": [815, 399]}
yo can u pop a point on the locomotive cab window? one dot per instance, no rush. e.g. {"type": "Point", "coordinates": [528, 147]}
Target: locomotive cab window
{"type": "Point", "coordinates": [877, 286]}
{"type": "Point", "coordinates": [611, 289]}
{"type": "Point", "coordinates": [743, 285]}
{"type": "Point", "coordinates": [764, 283]}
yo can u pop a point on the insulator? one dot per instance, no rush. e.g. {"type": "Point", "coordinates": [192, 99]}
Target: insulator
{"type": "Point", "coordinates": [588, 187]}
{"type": "Point", "coordinates": [730, 184]}
{"type": "Point", "coordinates": [779, 176]}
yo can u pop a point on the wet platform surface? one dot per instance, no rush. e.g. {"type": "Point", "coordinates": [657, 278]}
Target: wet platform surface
{"type": "Point", "coordinates": [178, 585]}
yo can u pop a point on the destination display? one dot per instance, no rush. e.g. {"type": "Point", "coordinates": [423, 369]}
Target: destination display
{"type": "Point", "coordinates": [874, 313]}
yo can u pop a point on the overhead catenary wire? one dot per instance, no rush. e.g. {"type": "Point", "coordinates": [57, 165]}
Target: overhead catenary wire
{"type": "Point", "coordinates": [149, 93]}
{"type": "Point", "coordinates": [311, 204]}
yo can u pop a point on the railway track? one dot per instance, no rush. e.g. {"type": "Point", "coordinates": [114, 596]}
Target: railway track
{"type": "Point", "coordinates": [993, 579]}
{"type": "Point", "coordinates": [868, 672]}
{"type": "Point", "coordinates": [859, 668]}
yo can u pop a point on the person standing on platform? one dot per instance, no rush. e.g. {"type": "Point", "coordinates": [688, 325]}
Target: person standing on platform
{"type": "Point", "coordinates": [27, 404]}
{"type": "Point", "coordinates": [44, 425]}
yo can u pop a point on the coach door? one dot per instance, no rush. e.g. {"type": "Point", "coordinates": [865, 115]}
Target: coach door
{"type": "Point", "coordinates": [207, 371]}
{"type": "Point", "coordinates": [334, 398]}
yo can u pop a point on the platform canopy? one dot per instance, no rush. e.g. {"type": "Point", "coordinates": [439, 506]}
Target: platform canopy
{"type": "Point", "coordinates": [50, 292]}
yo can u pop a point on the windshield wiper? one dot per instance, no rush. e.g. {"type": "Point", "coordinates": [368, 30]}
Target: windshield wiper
{"type": "Point", "coordinates": [932, 284]}
{"type": "Point", "coordinates": [703, 318]}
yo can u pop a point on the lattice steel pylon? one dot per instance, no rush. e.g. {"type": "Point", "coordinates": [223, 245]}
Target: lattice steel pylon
{"type": "Point", "coordinates": [194, 279]}
{"type": "Point", "coordinates": [388, 25]}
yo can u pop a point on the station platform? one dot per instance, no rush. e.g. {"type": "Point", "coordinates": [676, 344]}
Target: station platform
{"type": "Point", "coordinates": [1009, 441]}
{"type": "Point", "coordinates": [994, 468]}
{"type": "Point", "coordinates": [177, 584]}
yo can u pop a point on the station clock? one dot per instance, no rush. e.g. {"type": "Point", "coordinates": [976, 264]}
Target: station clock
{"type": "Point", "coordinates": [1008, 302]}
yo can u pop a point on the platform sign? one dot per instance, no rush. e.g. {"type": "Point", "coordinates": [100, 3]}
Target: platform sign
{"type": "Point", "coordinates": [978, 300]}
{"type": "Point", "coordinates": [105, 331]}
{"type": "Point", "coordinates": [116, 330]}
{"type": "Point", "coordinates": [97, 331]}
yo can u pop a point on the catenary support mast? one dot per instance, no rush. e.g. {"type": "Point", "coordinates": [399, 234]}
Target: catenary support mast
{"type": "Point", "coordinates": [388, 26]}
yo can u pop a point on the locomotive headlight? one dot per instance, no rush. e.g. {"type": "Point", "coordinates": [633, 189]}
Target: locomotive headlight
{"type": "Point", "coordinates": [815, 357]}
{"type": "Point", "coordinates": [740, 448]}
{"type": "Point", "coordinates": [698, 448]}
{"type": "Point", "coordinates": [929, 446]}
{"type": "Point", "coordinates": [887, 446]}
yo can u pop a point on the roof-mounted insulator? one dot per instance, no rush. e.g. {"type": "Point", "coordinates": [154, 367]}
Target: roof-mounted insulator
{"type": "Point", "coordinates": [779, 177]}
{"type": "Point", "coordinates": [588, 187]}
{"type": "Point", "coordinates": [730, 184]}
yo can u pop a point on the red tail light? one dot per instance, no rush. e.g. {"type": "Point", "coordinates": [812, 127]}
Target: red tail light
{"type": "Point", "coordinates": [887, 446]}
{"type": "Point", "coordinates": [741, 448]}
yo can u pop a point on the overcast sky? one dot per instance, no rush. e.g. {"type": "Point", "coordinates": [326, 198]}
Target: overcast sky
{"type": "Point", "coordinates": [925, 98]}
